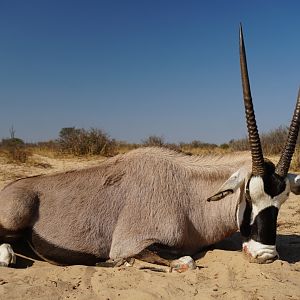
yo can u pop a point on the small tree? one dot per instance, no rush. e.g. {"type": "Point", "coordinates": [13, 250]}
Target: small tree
{"type": "Point", "coordinates": [154, 141]}
{"type": "Point", "coordinates": [12, 132]}
{"type": "Point", "coordinates": [86, 142]}
{"type": "Point", "coordinates": [15, 147]}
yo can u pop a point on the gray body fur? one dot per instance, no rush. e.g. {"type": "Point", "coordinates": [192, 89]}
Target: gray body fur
{"type": "Point", "coordinates": [128, 202]}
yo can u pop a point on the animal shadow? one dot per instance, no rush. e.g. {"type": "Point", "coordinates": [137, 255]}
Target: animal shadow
{"type": "Point", "coordinates": [288, 246]}
{"type": "Point", "coordinates": [25, 256]}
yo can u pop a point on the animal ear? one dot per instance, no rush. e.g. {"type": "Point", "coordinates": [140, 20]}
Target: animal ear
{"type": "Point", "coordinates": [294, 180]}
{"type": "Point", "coordinates": [231, 185]}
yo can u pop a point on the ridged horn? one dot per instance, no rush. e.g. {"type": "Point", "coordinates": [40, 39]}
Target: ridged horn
{"type": "Point", "coordinates": [254, 140]}
{"type": "Point", "coordinates": [283, 165]}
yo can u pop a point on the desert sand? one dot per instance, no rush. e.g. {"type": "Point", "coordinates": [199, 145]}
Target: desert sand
{"type": "Point", "coordinates": [222, 273]}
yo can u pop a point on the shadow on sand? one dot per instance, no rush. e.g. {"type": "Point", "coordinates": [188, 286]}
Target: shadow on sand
{"type": "Point", "coordinates": [288, 246]}
{"type": "Point", "coordinates": [25, 256]}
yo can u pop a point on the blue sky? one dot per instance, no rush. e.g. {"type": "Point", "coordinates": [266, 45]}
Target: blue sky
{"type": "Point", "coordinates": [135, 68]}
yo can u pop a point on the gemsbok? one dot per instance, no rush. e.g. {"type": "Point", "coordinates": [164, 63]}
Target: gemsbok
{"type": "Point", "coordinates": [154, 196]}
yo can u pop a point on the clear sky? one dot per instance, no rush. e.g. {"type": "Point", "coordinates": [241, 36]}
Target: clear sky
{"type": "Point", "coordinates": [140, 67]}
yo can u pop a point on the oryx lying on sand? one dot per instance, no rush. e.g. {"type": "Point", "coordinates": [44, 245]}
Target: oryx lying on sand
{"type": "Point", "coordinates": [154, 196]}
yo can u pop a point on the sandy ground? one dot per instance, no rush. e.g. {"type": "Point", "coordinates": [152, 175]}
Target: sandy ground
{"type": "Point", "coordinates": [222, 272]}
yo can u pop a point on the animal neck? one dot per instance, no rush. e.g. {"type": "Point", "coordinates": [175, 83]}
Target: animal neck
{"type": "Point", "coordinates": [220, 219]}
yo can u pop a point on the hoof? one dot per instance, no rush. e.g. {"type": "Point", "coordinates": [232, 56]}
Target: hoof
{"type": "Point", "coordinates": [7, 255]}
{"type": "Point", "coordinates": [111, 263]}
{"type": "Point", "coordinates": [258, 259]}
{"type": "Point", "coordinates": [183, 264]}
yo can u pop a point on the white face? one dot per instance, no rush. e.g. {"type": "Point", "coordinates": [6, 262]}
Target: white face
{"type": "Point", "coordinates": [261, 200]}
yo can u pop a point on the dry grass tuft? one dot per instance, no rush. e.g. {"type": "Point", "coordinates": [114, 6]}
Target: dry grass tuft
{"type": "Point", "coordinates": [295, 165]}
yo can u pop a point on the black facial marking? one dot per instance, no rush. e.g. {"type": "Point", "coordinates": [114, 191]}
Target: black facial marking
{"type": "Point", "coordinates": [273, 183]}
{"type": "Point", "coordinates": [263, 229]}
{"type": "Point", "coordinates": [245, 227]}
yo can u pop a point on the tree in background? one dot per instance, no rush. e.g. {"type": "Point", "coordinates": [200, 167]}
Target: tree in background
{"type": "Point", "coordinates": [154, 141]}
{"type": "Point", "coordinates": [86, 142]}
{"type": "Point", "coordinates": [15, 147]}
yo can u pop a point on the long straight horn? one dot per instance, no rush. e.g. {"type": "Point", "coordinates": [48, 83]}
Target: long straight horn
{"type": "Point", "coordinates": [283, 165]}
{"type": "Point", "coordinates": [254, 141]}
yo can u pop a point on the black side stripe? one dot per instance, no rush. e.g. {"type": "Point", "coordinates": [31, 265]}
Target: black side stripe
{"type": "Point", "coordinates": [263, 229]}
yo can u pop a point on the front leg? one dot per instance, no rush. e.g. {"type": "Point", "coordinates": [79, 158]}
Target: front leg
{"type": "Point", "coordinates": [7, 255]}
{"type": "Point", "coordinates": [118, 262]}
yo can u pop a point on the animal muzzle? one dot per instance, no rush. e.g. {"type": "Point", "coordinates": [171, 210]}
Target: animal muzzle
{"type": "Point", "coordinates": [259, 253]}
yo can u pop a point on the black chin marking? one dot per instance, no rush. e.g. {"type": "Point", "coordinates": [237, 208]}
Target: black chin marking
{"type": "Point", "coordinates": [263, 229]}
{"type": "Point", "coordinates": [273, 183]}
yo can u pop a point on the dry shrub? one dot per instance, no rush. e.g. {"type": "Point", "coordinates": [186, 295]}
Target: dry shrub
{"type": "Point", "coordinates": [154, 141]}
{"type": "Point", "coordinates": [124, 147]}
{"type": "Point", "coordinates": [272, 141]}
{"type": "Point", "coordinates": [19, 155]}
{"type": "Point", "coordinates": [49, 148]}
{"type": "Point", "coordinates": [198, 148]}
{"type": "Point", "coordinates": [15, 150]}
{"type": "Point", "coordinates": [86, 142]}
{"type": "Point", "coordinates": [295, 165]}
